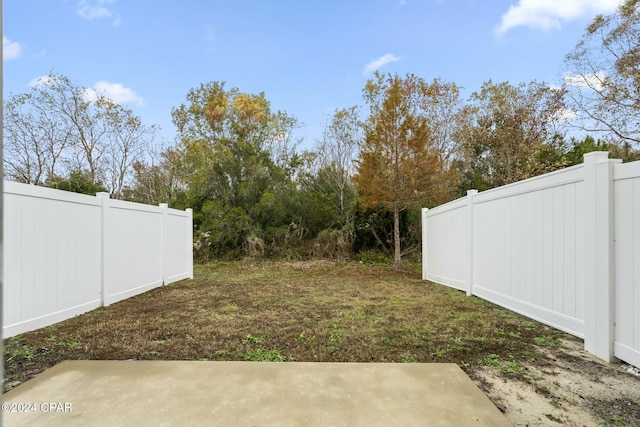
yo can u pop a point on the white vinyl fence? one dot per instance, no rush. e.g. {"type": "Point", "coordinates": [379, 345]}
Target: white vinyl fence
{"type": "Point", "coordinates": [562, 248]}
{"type": "Point", "coordinates": [68, 253]}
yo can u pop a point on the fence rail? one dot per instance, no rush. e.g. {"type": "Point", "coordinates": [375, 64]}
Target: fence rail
{"type": "Point", "coordinates": [562, 248]}
{"type": "Point", "coordinates": [68, 253]}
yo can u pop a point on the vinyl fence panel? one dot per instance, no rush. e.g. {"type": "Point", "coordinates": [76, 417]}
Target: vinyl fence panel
{"type": "Point", "coordinates": [132, 249]}
{"type": "Point", "coordinates": [178, 257]}
{"type": "Point", "coordinates": [51, 256]}
{"type": "Point", "coordinates": [68, 253]}
{"type": "Point", "coordinates": [627, 262]}
{"type": "Point", "coordinates": [562, 248]}
{"type": "Point", "coordinates": [528, 249]}
{"type": "Point", "coordinates": [446, 234]}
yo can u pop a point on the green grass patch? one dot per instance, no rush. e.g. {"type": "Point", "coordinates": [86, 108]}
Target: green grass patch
{"type": "Point", "coordinates": [263, 355]}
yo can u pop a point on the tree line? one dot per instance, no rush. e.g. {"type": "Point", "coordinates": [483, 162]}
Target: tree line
{"type": "Point", "coordinates": [359, 189]}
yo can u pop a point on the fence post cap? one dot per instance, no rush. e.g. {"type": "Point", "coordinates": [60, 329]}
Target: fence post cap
{"type": "Point", "coordinates": [103, 194]}
{"type": "Point", "coordinates": [601, 155]}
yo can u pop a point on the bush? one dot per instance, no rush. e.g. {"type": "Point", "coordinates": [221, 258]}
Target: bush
{"type": "Point", "coordinates": [374, 257]}
{"type": "Point", "coordinates": [333, 244]}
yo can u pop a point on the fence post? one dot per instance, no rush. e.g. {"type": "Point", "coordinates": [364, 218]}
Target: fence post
{"type": "Point", "coordinates": [424, 243]}
{"type": "Point", "coordinates": [470, 194]}
{"type": "Point", "coordinates": [164, 210]}
{"type": "Point", "coordinates": [189, 247]}
{"type": "Point", "coordinates": [599, 261]}
{"type": "Point", "coordinates": [104, 291]}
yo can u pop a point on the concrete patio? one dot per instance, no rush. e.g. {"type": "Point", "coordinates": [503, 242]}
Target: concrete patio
{"type": "Point", "coordinates": [190, 393]}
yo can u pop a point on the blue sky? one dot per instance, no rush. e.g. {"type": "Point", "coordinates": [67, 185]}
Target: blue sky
{"type": "Point", "coordinates": [308, 57]}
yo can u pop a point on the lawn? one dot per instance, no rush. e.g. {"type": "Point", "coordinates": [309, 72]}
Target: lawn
{"type": "Point", "coordinates": [277, 311]}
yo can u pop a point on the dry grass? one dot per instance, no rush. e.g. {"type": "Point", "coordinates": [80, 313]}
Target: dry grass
{"type": "Point", "coordinates": [341, 312]}
{"type": "Point", "coordinates": [313, 311]}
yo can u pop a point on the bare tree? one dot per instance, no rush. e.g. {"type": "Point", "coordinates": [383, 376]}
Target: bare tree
{"type": "Point", "coordinates": [59, 128]}
{"type": "Point", "coordinates": [127, 140]}
{"type": "Point", "coordinates": [73, 109]}
{"type": "Point", "coordinates": [603, 78]}
{"type": "Point", "coordinates": [34, 140]}
{"type": "Point", "coordinates": [337, 152]}
{"type": "Point", "coordinates": [442, 107]}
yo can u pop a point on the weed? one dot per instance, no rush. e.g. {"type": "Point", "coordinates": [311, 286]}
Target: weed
{"type": "Point", "coordinates": [529, 325]}
{"type": "Point", "coordinates": [554, 418]}
{"type": "Point", "coordinates": [551, 342]}
{"type": "Point", "coordinates": [492, 360]}
{"type": "Point", "coordinates": [263, 355]}
{"type": "Point", "coordinates": [24, 352]}
{"type": "Point", "coordinates": [618, 420]}
{"type": "Point", "coordinates": [372, 257]}
{"type": "Point", "coordinates": [250, 339]}
{"type": "Point", "coordinates": [439, 353]}
{"type": "Point", "coordinates": [335, 337]}
{"type": "Point", "coordinates": [513, 368]}
{"type": "Point", "coordinates": [73, 344]}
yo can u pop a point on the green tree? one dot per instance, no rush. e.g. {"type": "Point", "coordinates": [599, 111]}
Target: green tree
{"type": "Point", "coordinates": [578, 148]}
{"type": "Point", "coordinates": [234, 165]}
{"type": "Point", "coordinates": [617, 150]}
{"type": "Point", "coordinates": [508, 134]}
{"type": "Point", "coordinates": [603, 75]}
{"type": "Point", "coordinates": [399, 166]}
{"type": "Point", "coordinates": [155, 182]}
{"type": "Point", "coordinates": [77, 182]}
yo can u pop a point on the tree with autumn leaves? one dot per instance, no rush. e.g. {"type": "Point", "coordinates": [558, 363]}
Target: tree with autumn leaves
{"type": "Point", "coordinates": [400, 165]}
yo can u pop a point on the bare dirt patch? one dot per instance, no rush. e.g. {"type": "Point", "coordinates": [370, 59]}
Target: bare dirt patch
{"type": "Point", "coordinates": [344, 312]}
{"type": "Point", "coordinates": [566, 387]}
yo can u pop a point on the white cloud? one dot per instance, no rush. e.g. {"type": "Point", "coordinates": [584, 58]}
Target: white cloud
{"type": "Point", "coordinates": [549, 14]}
{"type": "Point", "coordinates": [376, 64]}
{"type": "Point", "coordinates": [97, 9]}
{"type": "Point", "coordinates": [115, 92]}
{"type": "Point", "coordinates": [593, 81]}
{"type": "Point", "coordinates": [10, 50]}
{"type": "Point", "coordinates": [565, 115]}
{"type": "Point", "coordinates": [42, 81]}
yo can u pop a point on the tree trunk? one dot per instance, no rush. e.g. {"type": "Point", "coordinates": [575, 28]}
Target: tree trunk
{"type": "Point", "coordinates": [397, 255]}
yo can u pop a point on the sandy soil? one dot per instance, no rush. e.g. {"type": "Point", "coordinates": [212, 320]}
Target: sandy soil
{"type": "Point", "coordinates": [567, 387]}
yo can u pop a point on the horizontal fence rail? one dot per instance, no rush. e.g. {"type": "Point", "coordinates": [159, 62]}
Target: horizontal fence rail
{"type": "Point", "coordinates": [67, 253]}
{"type": "Point", "coordinates": [562, 248]}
